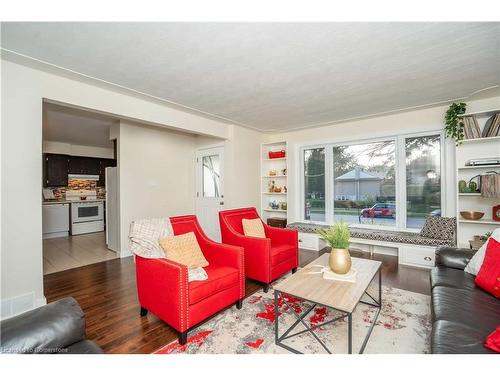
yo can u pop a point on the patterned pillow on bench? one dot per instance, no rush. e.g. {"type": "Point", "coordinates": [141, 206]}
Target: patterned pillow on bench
{"type": "Point", "coordinates": [439, 228]}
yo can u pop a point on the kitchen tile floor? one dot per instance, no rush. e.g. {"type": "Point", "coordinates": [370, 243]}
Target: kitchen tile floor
{"type": "Point", "coordinates": [63, 253]}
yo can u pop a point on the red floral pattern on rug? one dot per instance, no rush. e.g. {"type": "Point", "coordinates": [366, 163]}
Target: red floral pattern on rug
{"type": "Point", "coordinates": [285, 301]}
{"type": "Point", "coordinates": [403, 326]}
{"type": "Point", "coordinates": [255, 344]}
{"type": "Point", "coordinates": [196, 340]}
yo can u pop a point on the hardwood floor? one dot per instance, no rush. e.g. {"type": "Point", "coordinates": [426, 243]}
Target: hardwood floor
{"type": "Point", "coordinates": [106, 292]}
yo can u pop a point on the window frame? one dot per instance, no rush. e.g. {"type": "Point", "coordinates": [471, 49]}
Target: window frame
{"type": "Point", "coordinates": [400, 173]}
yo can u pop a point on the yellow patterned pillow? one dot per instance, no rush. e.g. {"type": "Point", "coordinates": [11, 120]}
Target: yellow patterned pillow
{"type": "Point", "coordinates": [184, 249]}
{"type": "Point", "coordinates": [253, 228]}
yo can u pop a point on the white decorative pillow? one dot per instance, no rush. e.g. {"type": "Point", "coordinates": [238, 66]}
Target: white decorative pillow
{"type": "Point", "coordinates": [253, 228]}
{"type": "Point", "coordinates": [477, 260]}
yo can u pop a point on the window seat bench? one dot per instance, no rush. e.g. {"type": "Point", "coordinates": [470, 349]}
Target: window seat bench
{"type": "Point", "coordinates": [412, 248]}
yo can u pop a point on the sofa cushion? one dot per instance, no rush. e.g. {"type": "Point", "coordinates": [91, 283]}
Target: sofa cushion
{"type": "Point", "coordinates": [281, 253]}
{"type": "Point", "coordinates": [474, 308]}
{"type": "Point", "coordinates": [451, 277]}
{"type": "Point", "coordinates": [219, 278]}
{"type": "Point", "coordinates": [457, 338]}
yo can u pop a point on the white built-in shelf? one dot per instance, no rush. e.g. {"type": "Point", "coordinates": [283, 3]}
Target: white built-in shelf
{"type": "Point", "coordinates": [275, 159]}
{"type": "Point", "coordinates": [482, 139]}
{"type": "Point", "coordinates": [469, 194]}
{"type": "Point", "coordinates": [479, 166]}
{"type": "Point", "coordinates": [278, 166]}
{"type": "Point", "coordinates": [481, 221]}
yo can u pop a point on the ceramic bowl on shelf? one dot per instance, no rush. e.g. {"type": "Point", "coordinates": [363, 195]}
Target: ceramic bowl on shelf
{"type": "Point", "coordinates": [472, 215]}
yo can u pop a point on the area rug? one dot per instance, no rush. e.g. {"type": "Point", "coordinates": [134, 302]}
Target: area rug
{"type": "Point", "coordinates": [403, 326]}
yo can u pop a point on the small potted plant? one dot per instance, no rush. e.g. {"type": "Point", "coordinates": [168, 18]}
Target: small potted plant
{"type": "Point", "coordinates": [337, 236]}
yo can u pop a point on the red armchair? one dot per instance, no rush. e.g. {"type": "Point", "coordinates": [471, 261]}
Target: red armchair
{"type": "Point", "coordinates": [163, 288]}
{"type": "Point", "coordinates": [268, 258]}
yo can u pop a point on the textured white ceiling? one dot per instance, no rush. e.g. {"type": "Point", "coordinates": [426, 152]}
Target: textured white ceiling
{"type": "Point", "coordinates": [74, 126]}
{"type": "Point", "coordinates": [275, 76]}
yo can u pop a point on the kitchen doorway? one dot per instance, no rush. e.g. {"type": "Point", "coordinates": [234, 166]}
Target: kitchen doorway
{"type": "Point", "coordinates": [78, 157]}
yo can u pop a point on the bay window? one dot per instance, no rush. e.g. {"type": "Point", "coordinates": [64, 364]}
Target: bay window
{"type": "Point", "coordinates": [392, 183]}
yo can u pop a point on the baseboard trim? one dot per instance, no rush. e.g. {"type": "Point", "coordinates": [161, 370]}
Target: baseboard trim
{"type": "Point", "coordinates": [19, 304]}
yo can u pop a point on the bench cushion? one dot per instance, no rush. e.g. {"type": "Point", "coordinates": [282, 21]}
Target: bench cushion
{"type": "Point", "coordinates": [379, 235]}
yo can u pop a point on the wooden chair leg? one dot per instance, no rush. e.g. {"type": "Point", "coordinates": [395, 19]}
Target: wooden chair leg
{"type": "Point", "coordinates": [144, 311]}
{"type": "Point", "coordinates": [294, 270]}
{"type": "Point", "coordinates": [266, 288]}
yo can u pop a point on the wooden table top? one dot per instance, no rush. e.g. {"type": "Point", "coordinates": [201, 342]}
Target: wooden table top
{"type": "Point", "coordinates": [339, 295]}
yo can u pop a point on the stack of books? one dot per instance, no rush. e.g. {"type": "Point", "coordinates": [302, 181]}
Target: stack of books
{"type": "Point", "coordinates": [471, 127]}
{"type": "Point", "coordinates": [492, 126]}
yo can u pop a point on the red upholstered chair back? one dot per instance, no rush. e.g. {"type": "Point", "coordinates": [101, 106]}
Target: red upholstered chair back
{"type": "Point", "coordinates": [186, 224]}
{"type": "Point", "coordinates": [233, 218]}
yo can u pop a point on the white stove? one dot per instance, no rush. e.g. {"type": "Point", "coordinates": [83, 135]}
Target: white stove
{"type": "Point", "coordinates": [87, 212]}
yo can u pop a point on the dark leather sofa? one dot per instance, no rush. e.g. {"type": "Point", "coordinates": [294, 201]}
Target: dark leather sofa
{"type": "Point", "coordinates": [463, 315]}
{"type": "Point", "coordinates": [58, 327]}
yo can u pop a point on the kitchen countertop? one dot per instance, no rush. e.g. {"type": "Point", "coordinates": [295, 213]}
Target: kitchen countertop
{"type": "Point", "coordinates": [64, 201]}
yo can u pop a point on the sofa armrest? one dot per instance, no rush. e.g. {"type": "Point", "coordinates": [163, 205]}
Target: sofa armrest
{"type": "Point", "coordinates": [453, 257]}
{"type": "Point", "coordinates": [47, 329]}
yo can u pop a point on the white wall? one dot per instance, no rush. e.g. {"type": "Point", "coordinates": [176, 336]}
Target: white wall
{"type": "Point", "coordinates": [23, 90]}
{"type": "Point", "coordinates": [242, 168]}
{"type": "Point", "coordinates": [429, 119]}
{"type": "Point", "coordinates": [157, 174]}
{"type": "Point", "coordinates": [77, 150]}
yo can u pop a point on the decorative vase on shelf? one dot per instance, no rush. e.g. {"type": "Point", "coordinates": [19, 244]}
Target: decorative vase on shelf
{"type": "Point", "coordinates": [340, 261]}
{"type": "Point", "coordinates": [338, 236]}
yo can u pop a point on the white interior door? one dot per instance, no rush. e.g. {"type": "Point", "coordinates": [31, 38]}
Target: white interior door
{"type": "Point", "coordinates": [210, 189]}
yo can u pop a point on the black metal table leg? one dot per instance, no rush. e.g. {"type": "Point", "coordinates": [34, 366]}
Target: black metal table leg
{"type": "Point", "coordinates": [349, 334]}
{"type": "Point", "coordinates": [276, 316]}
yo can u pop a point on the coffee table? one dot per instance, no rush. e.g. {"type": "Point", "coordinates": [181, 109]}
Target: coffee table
{"type": "Point", "coordinates": [337, 295]}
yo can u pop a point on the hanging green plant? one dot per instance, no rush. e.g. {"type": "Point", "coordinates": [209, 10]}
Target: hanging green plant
{"type": "Point", "coordinates": [454, 123]}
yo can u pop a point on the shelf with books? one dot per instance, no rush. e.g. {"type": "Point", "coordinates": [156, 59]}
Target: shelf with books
{"type": "Point", "coordinates": [481, 125]}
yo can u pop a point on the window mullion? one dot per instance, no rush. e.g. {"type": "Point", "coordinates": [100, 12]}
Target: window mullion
{"type": "Point", "coordinates": [329, 185]}
{"type": "Point", "coordinates": [400, 183]}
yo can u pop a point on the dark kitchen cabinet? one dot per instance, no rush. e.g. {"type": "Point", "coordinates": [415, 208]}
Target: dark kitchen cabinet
{"type": "Point", "coordinates": [105, 163]}
{"type": "Point", "coordinates": [55, 170]}
{"type": "Point", "coordinates": [84, 165]}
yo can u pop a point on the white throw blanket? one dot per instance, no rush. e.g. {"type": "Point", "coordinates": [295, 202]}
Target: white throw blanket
{"type": "Point", "coordinates": [144, 237]}
{"type": "Point", "coordinates": [145, 234]}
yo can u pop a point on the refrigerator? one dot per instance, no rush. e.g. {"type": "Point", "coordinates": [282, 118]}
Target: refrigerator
{"type": "Point", "coordinates": [112, 213]}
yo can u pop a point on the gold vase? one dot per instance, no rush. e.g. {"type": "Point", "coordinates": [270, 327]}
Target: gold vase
{"type": "Point", "coordinates": [340, 261]}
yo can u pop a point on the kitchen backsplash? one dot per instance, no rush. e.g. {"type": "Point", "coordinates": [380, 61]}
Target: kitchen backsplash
{"type": "Point", "coordinates": [75, 184]}
{"type": "Point", "coordinates": [60, 192]}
